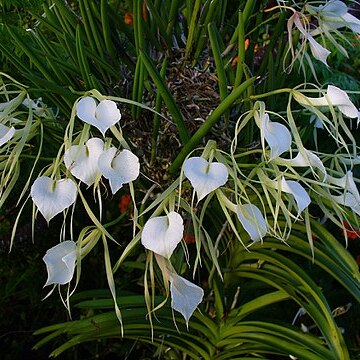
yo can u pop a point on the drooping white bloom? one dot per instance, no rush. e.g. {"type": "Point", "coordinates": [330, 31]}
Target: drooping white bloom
{"type": "Point", "coordinates": [334, 15]}
{"type": "Point", "coordinates": [205, 177]}
{"type": "Point", "coordinates": [252, 221]}
{"type": "Point", "coordinates": [276, 135]}
{"type": "Point", "coordinates": [295, 189]}
{"type": "Point", "coordinates": [6, 133]}
{"type": "Point", "coordinates": [119, 168]}
{"type": "Point", "coordinates": [350, 196]}
{"type": "Point", "coordinates": [162, 234]}
{"type": "Point", "coordinates": [318, 51]}
{"type": "Point", "coordinates": [335, 97]}
{"type": "Point", "coordinates": [309, 160]}
{"type": "Point", "coordinates": [102, 116]}
{"type": "Point", "coordinates": [185, 296]}
{"type": "Point", "coordinates": [60, 263]}
{"type": "Point", "coordinates": [82, 160]}
{"type": "Point", "coordinates": [52, 196]}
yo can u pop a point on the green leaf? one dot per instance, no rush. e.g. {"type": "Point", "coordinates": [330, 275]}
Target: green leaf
{"type": "Point", "coordinates": [168, 98]}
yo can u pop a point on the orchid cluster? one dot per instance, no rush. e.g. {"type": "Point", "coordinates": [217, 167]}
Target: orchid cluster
{"type": "Point", "coordinates": [329, 17]}
{"type": "Point", "coordinates": [282, 181]}
{"type": "Point", "coordinates": [290, 170]}
{"type": "Point", "coordinates": [87, 161]}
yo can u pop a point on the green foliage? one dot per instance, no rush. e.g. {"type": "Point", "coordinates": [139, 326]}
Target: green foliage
{"type": "Point", "coordinates": [276, 283]}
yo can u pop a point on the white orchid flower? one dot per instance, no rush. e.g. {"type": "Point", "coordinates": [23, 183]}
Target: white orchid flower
{"type": "Point", "coordinates": [350, 196]}
{"type": "Point", "coordinates": [6, 133]}
{"type": "Point", "coordinates": [318, 51]}
{"type": "Point", "coordinates": [335, 97]}
{"type": "Point", "coordinates": [162, 234]}
{"type": "Point", "coordinates": [52, 196]}
{"type": "Point", "coordinates": [295, 189]}
{"type": "Point", "coordinates": [205, 177]}
{"type": "Point", "coordinates": [119, 168]}
{"type": "Point", "coordinates": [82, 160]}
{"type": "Point", "coordinates": [309, 160]}
{"type": "Point", "coordinates": [334, 15]}
{"type": "Point", "coordinates": [276, 135]}
{"type": "Point", "coordinates": [252, 221]}
{"type": "Point", "coordinates": [60, 263]}
{"type": "Point", "coordinates": [102, 115]}
{"type": "Point", "coordinates": [185, 296]}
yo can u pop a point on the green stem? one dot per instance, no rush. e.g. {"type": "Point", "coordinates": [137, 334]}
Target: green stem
{"type": "Point", "coordinates": [168, 98]}
{"type": "Point", "coordinates": [156, 122]}
{"type": "Point", "coordinates": [241, 50]}
{"type": "Point", "coordinates": [270, 93]}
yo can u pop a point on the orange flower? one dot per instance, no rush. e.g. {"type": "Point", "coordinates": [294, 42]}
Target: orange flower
{"type": "Point", "coordinates": [129, 18]}
{"type": "Point", "coordinates": [189, 238]}
{"type": "Point", "coordinates": [350, 232]}
{"type": "Point", "coordinates": [144, 12]}
{"type": "Point", "coordinates": [125, 202]}
{"type": "Point", "coordinates": [234, 61]}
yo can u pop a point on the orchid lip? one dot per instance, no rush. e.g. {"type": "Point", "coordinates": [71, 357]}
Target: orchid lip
{"type": "Point", "coordinates": [60, 263]}
{"type": "Point", "coordinates": [82, 160]}
{"type": "Point", "coordinates": [52, 197]}
{"type": "Point", "coordinates": [162, 234]}
{"type": "Point", "coordinates": [276, 135]}
{"type": "Point", "coordinates": [103, 115]}
{"type": "Point", "coordinates": [252, 220]}
{"type": "Point", "coordinates": [118, 167]}
{"type": "Point", "coordinates": [185, 296]}
{"type": "Point", "coordinates": [205, 177]}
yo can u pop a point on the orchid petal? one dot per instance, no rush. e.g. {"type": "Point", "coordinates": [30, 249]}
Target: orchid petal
{"type": "Point", "coordinates": [301, 196]}
{"type": "Point", "coordinates": [102, 116]}
{"type": "Point", "coordinates": [119, 168]}
{"type": "Point", "coordinates": [107, 111]}
{"type": "Point", "coordinates": [52, 196]}
{"type": "Point", "coordinates": [276, 135]}
{"type": "Point", "coordinates": [162, 234]}
{"type": "Point", "coordinates": [351, 195]}
{"type": "Point", "coordinates": [6, 133]}
{"type": "Point", "coordinates": [352, 22]}
{"type": "Point", "coordinates": [331, 8]}
{"type": "Point", "coordinates": [86, 108]}
{"type": "Point", "coordinates": [205, 177]}
{"type": "Point", "coordinates": [348, 199]}
{"type": "Point", "coordinates": [82, 160]}
{"type": "Point", "coordinates": [341, 99]}
{"type": "Point", "coordinates": [334, 15]}
{"type": "Point", "coordinates": [252, 221]}
{"type": "Point", "coordinates": [311, 160]}
{"type": "Point", "coordinates": [318, 51]}
{"type": "Point", "coordinates": [347, 183]}
{"type": "Point", "coordinates": [60, 263]}
{"type": "Point", "coordinates": [335, 97]}
{"type": "Point", "coordinates": [185, 296]}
